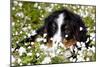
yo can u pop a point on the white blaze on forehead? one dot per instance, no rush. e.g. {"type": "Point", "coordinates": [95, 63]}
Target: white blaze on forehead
{"type": "Point", "coordinates": [57, 36]}
{"type": "Point", "coordinates": [59, 22]}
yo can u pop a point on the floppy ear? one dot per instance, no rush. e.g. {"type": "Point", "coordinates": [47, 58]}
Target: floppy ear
{"type": "Point", "coordinates": [81, 33]}
{"type": "Point", "coordinates": [50, 18]}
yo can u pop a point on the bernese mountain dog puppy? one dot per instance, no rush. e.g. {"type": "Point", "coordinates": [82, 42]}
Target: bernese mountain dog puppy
{"type": "Point", "coordinates": [62, 27]}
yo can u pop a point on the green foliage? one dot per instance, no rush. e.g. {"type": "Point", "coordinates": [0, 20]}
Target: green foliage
{"type": "Point", "coordinates": [57, 59]}
{"type": "Point", "coordinates": [28, 16]}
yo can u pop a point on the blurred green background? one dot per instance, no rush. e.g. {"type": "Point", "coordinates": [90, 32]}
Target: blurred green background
{"type": "Point", "coordinates": [28, 16]}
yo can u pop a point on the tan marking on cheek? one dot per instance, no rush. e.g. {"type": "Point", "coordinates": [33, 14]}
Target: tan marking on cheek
{"type": "Point", "coordinates": [68, 43]}
{"type": "Point", "coordinates": [49, 43]}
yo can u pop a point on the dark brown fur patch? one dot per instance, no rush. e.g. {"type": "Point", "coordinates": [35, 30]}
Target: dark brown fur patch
{"type": "Point", "coordinates": [68, 43]}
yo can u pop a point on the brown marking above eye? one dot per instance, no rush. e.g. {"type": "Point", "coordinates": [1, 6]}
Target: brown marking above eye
{"type": "Point", "coordinates": [68, 43]}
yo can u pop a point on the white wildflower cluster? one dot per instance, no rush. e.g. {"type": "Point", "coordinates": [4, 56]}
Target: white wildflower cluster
{"type": "Point", "coordinates": [15, 3]}
{"type": "Point", "coordinates": [13, 8]}
{"type": "Point", "coordinates": [32, 33]}
{"type": "Point", "coordinates": [83, 13]}
{"type": "Point", "coordinates": [43, 47]}
{"type": "Point", "coordinates": [39, 39]}
{"type": "Point", "coordinates": [39, 7]}
{"type": "Point", "coordinates": [37, 54]}
{"type": "Point", "coordinates": [36, 4]}
{"type": "Point", "coordinates": [92, 36]}
{"type": "Point", "coordinates": [24, 28]}
{"type": "Point", "coordinates": [46, 60]}
{"type": "Point", "coordinates": [29, 27]}
{"type": "Point", "coordinates": [81, 52]}
{"type": "Point", "coordinates": [78, 53]}
{"type": "Point", "coordinates": [13, 23]}
{"type": "Point", "coordinates": [19, 60]}
{"type": "Point", "coordinates": [29, 54]}
{"type": "Point", "coordinates": [29, 47]}
{"type": "Point", "coordinates": [13, 59]}
{"type": "Point", "coordinates": [49, 9]}
{"type": "Point", "coordinates": [22, 50]}
{"type": "Point", "coordinates": [42, 39]}
{"type": "Point", "coordinates": [16, 33]}
{"type": "Point", "coordinates": [20, 4]}
{"type": "Point", "coordinates": [84, 53]}
{"type": "Point", "coordinates": [67, 54]}
{"type": "Point", "coordinates": [20, 14]}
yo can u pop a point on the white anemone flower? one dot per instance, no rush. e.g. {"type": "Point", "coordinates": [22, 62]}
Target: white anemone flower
{"type": "Point", "coordinates": [24, 29]}
{"type": "Point", "coordinates": [43, 47]}
{"type": "Point", "coordinates": [52, 54]}
{"type": "Point", "coordinates": [15, 3]}
{"type": "Point", "coordinates": [87, 59]}
{"type": "Point", "coordinates": [13, 23]}
{"type": "Point", "coordinates": [58, 51]}
{"type": "Point", "coordinates": [93, 49]}
{"type": "Point", "coordinates": [83, 44]}
{"type": "Point", "coordinates": [45, 34]}
{"type": "Point", "coordinates": [80, 58]}
{"type": "Point", "coordinates": [29, 47]}
{"type": "Point", "coordinates": [13, 59]}
{"type": "Point", "coordinates": [20, 14]}
{"type": "Point", "coordinates": [32, 43]}
{"type": "Point", "coordinates": [29, 54]}
{"type": "Point", "coordinates": [72, 59]}
{"type": "Point", "coordinates": [19, 60]}
{"type": "Point", "coordinates": [92, 35]}
{"type": "Point", "coordinates": [44, 40]}
{"type": "Point", "coordinates": [20, 4]}
{"type": "Point", "coordinates": [78, 44]}
{"type": "Point", "coordinates": [90, 53]}
{"type": "Point", "coordinates": [22, 50]}
{"type": "Point", "coordinates": [37, 54]}
{"type": "Point", "coordinates": [29, 35]}
{"type": "Point", "coordinates": [16, 33]}
{"type": "Point", "coordinates": [46, 60]}
{"type": "Point", "coordinates": [39, 39]}
{"type": "Point", "coordinates": [67, 53]}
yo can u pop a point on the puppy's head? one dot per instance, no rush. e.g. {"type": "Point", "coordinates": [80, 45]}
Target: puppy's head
{"type": "Point", "coordinates": [73, 26]}
{"type": "Point", "coordinates": [65, 25]}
